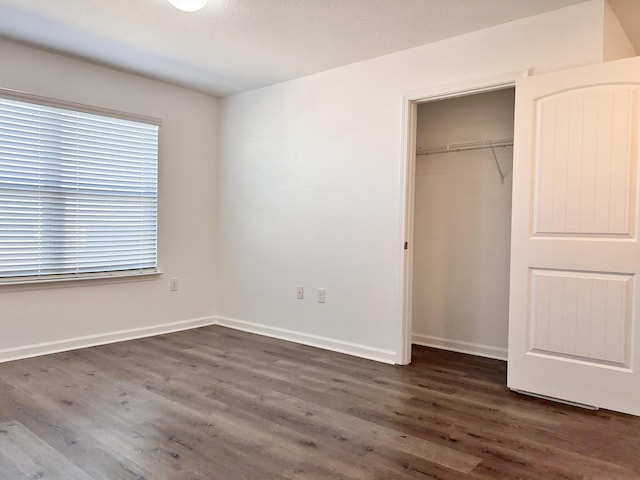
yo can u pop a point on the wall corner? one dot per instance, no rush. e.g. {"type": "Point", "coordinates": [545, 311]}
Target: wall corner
{"type": "Point", "coordinates": [615, 41]}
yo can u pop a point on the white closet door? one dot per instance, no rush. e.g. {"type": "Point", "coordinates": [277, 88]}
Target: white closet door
{"type": "Point", "coordinates": [575, 256]}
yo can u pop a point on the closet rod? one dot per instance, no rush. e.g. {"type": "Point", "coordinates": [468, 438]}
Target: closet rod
{"type": "Point", "coordinates": [462, 146]}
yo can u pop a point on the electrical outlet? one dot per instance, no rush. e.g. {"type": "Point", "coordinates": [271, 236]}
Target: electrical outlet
{"type": "Point", "coordinates": [299, 292]}
{"type": "Point", "coordinates": [173, 284]}
{"type": "Point", "coordinates": [321, 295]}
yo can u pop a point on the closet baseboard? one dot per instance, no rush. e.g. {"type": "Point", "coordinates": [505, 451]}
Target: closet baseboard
{"type": "Point", "coordinates": [459, 346]}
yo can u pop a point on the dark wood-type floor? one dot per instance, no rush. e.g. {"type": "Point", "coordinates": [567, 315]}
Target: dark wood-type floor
{"type": "Point", "coordinates": [214, 403]}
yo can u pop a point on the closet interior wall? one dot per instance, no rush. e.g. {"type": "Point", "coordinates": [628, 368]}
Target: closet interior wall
{"type": "Point", "coordinates": [462, 223]}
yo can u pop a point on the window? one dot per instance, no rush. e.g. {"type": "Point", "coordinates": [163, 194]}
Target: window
{"type": "Point", "coordinates": [78, 193]}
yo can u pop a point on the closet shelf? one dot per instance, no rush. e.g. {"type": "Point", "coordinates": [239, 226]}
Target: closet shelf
{"type": "Point", "coordinates": [462, 146]}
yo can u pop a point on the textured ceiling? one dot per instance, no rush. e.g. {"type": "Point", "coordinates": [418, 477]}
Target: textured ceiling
{"type": "Point", "coordinates": [236, 45]}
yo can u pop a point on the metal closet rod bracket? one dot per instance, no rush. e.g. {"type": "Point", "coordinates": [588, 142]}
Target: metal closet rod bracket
{"type": "Point", "coordinates": [476, 145]}
{"type": "Point", "coordinates": [493, 151]}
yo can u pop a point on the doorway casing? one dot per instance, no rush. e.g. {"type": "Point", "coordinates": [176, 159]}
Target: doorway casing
{"type": "Point", "coordinates": [410, 103]}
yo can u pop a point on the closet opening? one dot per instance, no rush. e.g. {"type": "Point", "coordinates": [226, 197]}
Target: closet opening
{"type": "Point", "coordinates": [461, 223]}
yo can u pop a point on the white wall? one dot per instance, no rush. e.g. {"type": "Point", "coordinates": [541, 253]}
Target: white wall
{"type": "Point", "coordinates": [310, 175]}
{"type": "Point", "coordinates": [462, 226]}
{"type": "Point", "coordinates": [60, 316]}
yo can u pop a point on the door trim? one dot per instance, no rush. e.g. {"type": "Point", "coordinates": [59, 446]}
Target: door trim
{"type": "Point", "coordinates": [410, 101]}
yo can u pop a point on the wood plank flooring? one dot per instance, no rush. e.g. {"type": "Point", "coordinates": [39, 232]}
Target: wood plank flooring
{"type": "Point", "coordinates": [215, 403]}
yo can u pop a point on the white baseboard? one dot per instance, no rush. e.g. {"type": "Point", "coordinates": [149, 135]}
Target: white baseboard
{"type": "Point", "coordinates": [357, 350]}
{"type": "Point", "coordinates": [27, 351]}
{"type": "Point", "coordinates": [458, 346]}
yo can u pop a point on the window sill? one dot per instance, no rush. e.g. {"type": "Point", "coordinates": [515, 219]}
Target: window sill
{"type": "Point", "coordinates": [88, 280]}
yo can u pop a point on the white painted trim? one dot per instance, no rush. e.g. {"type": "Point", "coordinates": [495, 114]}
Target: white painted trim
{"type": "Point", "coordinates": [458, 346]}
{"type": "Point", "coordinates": [466, 87]}
{"type": "Point", "coordinates": [357, 350]}
{"type": "Point", "coordinates": [79, 279]}
{"type": "Point", "coordinates": [28, 351]}
{"type": "Point", "coordinates": [410, 101]}
{"type": "Point", "coordinates": [407, 185]}
{"type": "Point", "coordinates": [79, 107]}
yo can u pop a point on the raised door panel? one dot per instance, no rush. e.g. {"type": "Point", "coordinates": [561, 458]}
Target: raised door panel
{"type": "Point", "coordinates": [581, 315]}
{"type": "Point", "coordinates": [586, 161]}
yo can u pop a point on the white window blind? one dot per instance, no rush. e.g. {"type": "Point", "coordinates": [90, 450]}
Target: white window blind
{"type": "Point", "coordinates": [78, 193]}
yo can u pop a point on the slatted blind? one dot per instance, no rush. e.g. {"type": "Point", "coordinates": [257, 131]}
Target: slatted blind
{"type": "Point", "coordinates": [78, 193]}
